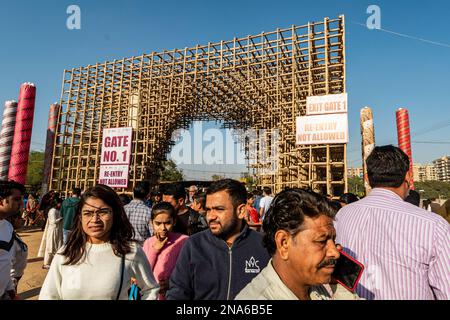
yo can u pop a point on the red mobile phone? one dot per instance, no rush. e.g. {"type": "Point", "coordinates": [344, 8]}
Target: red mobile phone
{"type": "Point", "coordinates": [348, 271]}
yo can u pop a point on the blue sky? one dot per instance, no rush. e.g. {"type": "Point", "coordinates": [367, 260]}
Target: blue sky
{"type": "Point", "coordinates": [384, 71]}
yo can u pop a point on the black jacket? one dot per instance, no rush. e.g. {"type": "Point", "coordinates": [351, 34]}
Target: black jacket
{"type": "Point", "coordinates": [207, 269]}
{"type": "Point", "coordinates": [195, 223]}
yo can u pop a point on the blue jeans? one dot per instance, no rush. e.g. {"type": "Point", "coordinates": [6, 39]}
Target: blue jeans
{"type": "Point", "coordinates": [66, 234]}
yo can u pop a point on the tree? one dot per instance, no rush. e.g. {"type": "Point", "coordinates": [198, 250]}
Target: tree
{"type": "Point", "coordinates": [171, 172]}
{"type": "Point", "coordinates": [356, 186]}
{"type": "Point", "coordinates": [35, 171]}
{"type": "Point", "coordinates": [216, 177]}
{"type": "Point", "coordinates": [248, 179]}
{"type": "Point", "coordinates": [433, 189]}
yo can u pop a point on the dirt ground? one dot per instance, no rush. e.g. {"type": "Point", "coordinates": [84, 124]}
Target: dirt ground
{"type": "Point", "coordinates": [33, 278]}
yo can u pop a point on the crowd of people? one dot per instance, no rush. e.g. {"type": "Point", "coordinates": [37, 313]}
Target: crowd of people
{"type": "Point", "coordinates": [224, 242]}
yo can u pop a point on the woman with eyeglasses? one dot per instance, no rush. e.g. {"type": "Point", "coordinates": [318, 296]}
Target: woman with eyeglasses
{"type": "Point", "coordinates": [100, 257]}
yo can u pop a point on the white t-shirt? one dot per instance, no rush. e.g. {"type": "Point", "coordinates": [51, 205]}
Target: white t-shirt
{"type": "Point", "coordinates": [265, 203]}
{"type": "Point", "coordinates": [19, 260]}
{"type": "Point", "coordinates": [97, 277]}
{"type": "Point", "coordinates": [6, 232]}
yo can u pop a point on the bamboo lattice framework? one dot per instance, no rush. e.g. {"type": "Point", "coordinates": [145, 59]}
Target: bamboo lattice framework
{"type": "Point", "coordinates": [258, 82]}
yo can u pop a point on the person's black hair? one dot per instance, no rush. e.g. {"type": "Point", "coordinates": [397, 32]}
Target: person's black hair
{"type": "Point", "coordinates": [348, 198]}
{"type": "Point", "coordinates": [288, 211]}
{"type": "Point", "coordinates": [76, 192]}
{"type": "Point", "coordinates": [235, 190]}
{"type": "Point", "coordinates": [200, 197]}
{"type": "Point", "coordinates": [6, 188]}
{"type": "Point", "coordinates": [121, 234]}
{"type": "Point", "coordinates": [141, 190]}
{"type": "Point", "coordinates": [124, 198]}
{"type": "Point", "coordinates": [156, 194]}
{"type": "Point", "coordinates": [387, 166]}
{"type": "Point", "coordinates": [55, 202]}
{"type": "Point", "coordinates": [336, 205]}
{"type": "Point", "coordinates": [162, 207]}
{"type": "Point", "coordinates": [267, 190]}
{"type": "Point", "coordinates": [413, 198]}
{"type": "Point", "coordinates": [175, 190]}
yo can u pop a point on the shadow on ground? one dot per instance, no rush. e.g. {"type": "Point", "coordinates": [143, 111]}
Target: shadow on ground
{"type": "Point", "coordinates": [35, 260]}
{"type": "Point", "coordinates": [30, 293]}
{"type": "Point", "coordinates": [29, 230]}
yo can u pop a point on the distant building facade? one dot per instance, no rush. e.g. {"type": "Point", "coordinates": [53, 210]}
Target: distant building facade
{"type": "Point", "coordinates": [355, 172]}
{"type": "Point", "coordinates": [442, 168]}
{"type": "Point", "coordinates": [439, 170]}
{"type": "Point", "coordinates": [426, 172]}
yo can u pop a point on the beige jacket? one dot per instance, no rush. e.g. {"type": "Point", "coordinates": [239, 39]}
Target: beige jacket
{"type": "Point", "coordinates": [268, 286]}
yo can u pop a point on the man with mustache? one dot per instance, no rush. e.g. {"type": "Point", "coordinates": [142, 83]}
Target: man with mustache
{"type": "Point", "coordinates": [299, 235]}
{"type": "Point", "coordinates": [217, 263]}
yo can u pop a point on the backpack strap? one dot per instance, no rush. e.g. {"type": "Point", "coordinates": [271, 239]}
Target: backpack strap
{"type": "Point", "coordinates": [22, 244]}
{"type": "Point", "coordinates": [7, 245]}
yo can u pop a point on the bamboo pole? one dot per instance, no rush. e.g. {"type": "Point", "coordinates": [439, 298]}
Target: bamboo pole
{"type": "Point", "coordinates": [367, 141]}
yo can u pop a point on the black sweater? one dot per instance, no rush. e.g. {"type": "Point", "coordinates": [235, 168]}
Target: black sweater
{"type": "Point", "coordinates": [207, 269]}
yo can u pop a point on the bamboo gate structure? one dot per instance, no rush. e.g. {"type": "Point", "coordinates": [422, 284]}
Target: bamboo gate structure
{"type": "Point", "coordinates": [255, 82]}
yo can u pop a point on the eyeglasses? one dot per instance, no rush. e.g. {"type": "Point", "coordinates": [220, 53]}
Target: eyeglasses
{"type": "Point", "coordinates": [102, 213]}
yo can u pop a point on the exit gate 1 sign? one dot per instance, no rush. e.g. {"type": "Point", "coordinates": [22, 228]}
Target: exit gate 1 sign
{"type": "Point", "coordinates": [115, 157]}
{"type": "Point", "coordinates": [328, 104]}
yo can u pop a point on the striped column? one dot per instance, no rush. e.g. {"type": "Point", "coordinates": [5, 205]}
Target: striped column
{"type": "Point", "coordinates": [367, 140]}
{"type": "Point", "coordinates": [51, 132]}
{"type": "Point", "coordinates": [22, 134]}
{"type": "Point", "coordinates": [404, 138]}
{"type": "Point", "coordinates": [6, 137]}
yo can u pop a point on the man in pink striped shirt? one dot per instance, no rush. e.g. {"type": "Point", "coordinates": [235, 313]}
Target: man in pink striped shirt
{"type": "Point", "coordinates": [405, 249]}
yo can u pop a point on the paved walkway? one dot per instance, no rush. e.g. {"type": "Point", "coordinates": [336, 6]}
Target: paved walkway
{"type": "Point", "coordinates": [33, 278]}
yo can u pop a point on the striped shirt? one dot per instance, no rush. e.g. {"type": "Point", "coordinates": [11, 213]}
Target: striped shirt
{"type": "Point", "coordinates": [405, 249]}
{"type": "Point", "coordinates": [139, 215]}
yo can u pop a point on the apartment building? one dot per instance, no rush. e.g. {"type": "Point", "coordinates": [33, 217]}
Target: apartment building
{"type": "Point", "coordinates": [442, 168]}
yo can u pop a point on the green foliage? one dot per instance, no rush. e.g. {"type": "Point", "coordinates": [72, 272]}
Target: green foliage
{"type": "Point", "coordinates": [427, 190]}
{"type": "Point", "coordinates": [248, 180]}
{"type": "Point", "coordinates": [433, 189]}
{"type": "Point", "coordinates": [171, 172]}
{"type": "Point", "coordinates": [216, 177]}
{"type": "Point", "coordinates": [356, 186]}
{"type": "Point", "coordinates": [35, 172]}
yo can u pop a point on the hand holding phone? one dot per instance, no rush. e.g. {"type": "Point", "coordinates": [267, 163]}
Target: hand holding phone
{"type": "Point", "coordinates": [347, 271]}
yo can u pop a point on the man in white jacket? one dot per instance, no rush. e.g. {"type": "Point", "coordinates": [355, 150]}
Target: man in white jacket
{"type": "Point", "coordinates": [11, 200]}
